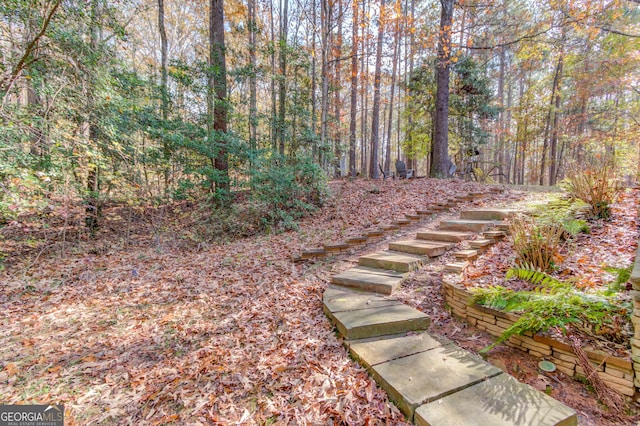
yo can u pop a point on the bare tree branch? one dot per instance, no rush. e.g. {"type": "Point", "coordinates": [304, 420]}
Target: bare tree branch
{"type": "Point", "coordinates": [22, 63]}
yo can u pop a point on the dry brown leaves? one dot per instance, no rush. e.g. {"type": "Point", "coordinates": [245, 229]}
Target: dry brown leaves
{"type": "Point", "coordinates": [148, 332]}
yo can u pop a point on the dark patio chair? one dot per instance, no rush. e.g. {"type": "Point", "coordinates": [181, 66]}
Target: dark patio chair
{"type": "Point", "coordinates": [402, 171]}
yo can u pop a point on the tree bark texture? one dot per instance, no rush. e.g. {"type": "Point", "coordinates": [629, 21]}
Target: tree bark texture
{"type": "Point", "coordinates": [440, 163]}
{"type": "Point", "coordinates": [375, 114]}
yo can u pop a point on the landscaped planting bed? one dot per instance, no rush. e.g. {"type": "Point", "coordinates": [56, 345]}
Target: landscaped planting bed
{"type": "Point", "coordinates": [595, 264]}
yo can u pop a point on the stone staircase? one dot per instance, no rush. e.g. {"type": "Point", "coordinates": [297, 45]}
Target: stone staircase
{"type": "Point", "coordinates": [430, 379]}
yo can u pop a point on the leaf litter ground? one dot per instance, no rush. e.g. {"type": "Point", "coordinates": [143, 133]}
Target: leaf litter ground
{"type": "Point", "coordinates": [142, 325]}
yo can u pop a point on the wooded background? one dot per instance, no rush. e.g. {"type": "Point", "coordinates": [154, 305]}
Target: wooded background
{"type": "Point", "coordinates": [162, 99]}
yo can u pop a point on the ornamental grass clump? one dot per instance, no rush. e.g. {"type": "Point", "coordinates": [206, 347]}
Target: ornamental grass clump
{"type": "Point", "coordinates": [594, 185]}
{"type": "Point", "coordinates": [536, 244]}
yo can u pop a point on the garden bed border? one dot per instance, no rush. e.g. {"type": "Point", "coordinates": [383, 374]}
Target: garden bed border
{"type": "Point", "coordinates": [622, 375]}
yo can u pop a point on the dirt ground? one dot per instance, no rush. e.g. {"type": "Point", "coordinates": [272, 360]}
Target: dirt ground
{"type": "Point", "coordinates": [147, 324]}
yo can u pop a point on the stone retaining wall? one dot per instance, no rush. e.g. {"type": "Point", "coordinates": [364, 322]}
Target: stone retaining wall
{"type": "Point", "coordinates": [618, 373]}
{"type": "Point", "coordinates": [635, 341]}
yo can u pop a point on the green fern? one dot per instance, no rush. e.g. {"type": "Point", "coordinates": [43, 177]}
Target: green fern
{"type": "Point", "coordinates": [553, 303]}
{"type": "Point", "coordinates": [535, 276]}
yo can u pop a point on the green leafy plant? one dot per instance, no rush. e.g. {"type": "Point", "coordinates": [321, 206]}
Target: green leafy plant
{"type": "Point", "coordinates": [554, 303]}
{"type": "Point", "coordinates": [567, 212]}
{"type": "Point", "coordinates": [622, 277]}
{"type": "Point", "coordinates": [595, 185]}
{"type": "Point", "coordinates": [536, 244]}
{"type": "Point", "coordinates": [287, 188]}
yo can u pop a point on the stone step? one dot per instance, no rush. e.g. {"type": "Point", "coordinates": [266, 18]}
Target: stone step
{"type": "Point", "coordinates": [466, 225]}
{"type": "Point", "coordinates": [488, 214]}
{"type": "Point", "coordinates": [402, 222]}
{"type": "Point", "coordinates": [389, 227]}
{"type": "Point", "coordinates": [466, 254]}
{"type": "Point", "coordinates": [341, 299]}
{"type": "Point", "coordinates": [503, 226]}
{"type": "Point", "coordinates": [400, 262]}
{"type": "Point", "coordinates": [496, 235]}
{"type": "Point", "coordinates": [335, 248]}
{"type": "Point", "coordinates": [372, 315]}
{"type": "Point", "coordinates": [414, 217]}
{"type": "Point", "coordinates": [370, 352]}
{"type": "Point", "coordinates": [313, 253]}
{"type": "Point", "coordinates": [354, 241]}
{"type": "Point", "coordinates": [450, 236]}
{"type": "Point", "coordinates": [481, 244]}
{"type": "Point", "coordinates": [423, 248]}
{"type": "Point", "coordinates": [425, 212]}
{"type": "Point", "coordinates": [375, 233]}
{"type": "Point", "coordinates": [369, 279]}
{"type": "Point", "coordinates": [455, 267]}
{"type": "Point", "coordinates": [499, 401]}
{"type": "Point", "coordinates": [418, 379]}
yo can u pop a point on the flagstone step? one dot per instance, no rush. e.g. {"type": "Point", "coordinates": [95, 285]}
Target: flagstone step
{"type": "Point", "coordinates": [466, 254]}
{"type": "Point", "coordinates": [494, 234]}
{"type": "Point", "coordinates": [375, 233]}
{"type": "Point", "coordinates": [389, 227]}
{"type": "Point", "coordinates": [481, 244]}
{"type": "Point", "coordinates": [417, 379]}
{"type": "Point", "coordinates": [455, 267]}
{"type": "Point", "coordinates": [423, 248]}
{"type": "Point", "coordinates": [441, 235]}
{"type": "Point", "coordinates": [499, 401]}
{"type": "Point", "coordinates": [313, 253]}
{"type": "Point", "coordinates": [354, 241]}
{"type": "Point", "coordinates": [371, 352]}
{"type": "Point", "coordinates": [336, 248]}
{"type": "Point", "coordinates": [414, 217]}
{"type": "Point", "coordinates": [502, 226]}
{"type": "Point", "coordinates": [342, 299]}
{"type": "Point", "coordinates": [466, 225]}
{"type": "Point", "coordinates": [369, 279]}
{"type": "Point", "coordinates": [372, 315]}
{"type": "Point", "coordinates": [400, 262]}
{"type": "Point", "coordinates": [488, 214]}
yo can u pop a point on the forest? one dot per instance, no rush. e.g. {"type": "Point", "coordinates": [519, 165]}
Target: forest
{"type": "Point", "coordinates": [147, 102]}
{"type": "Point", "coordinates": [183, 185]}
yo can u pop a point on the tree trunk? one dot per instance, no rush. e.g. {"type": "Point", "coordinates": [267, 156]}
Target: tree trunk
{"type": "Point", "coordinates": [282, 88]}
{"type": "Point", "coordinates": [337, 148]}
{"type": "Point", "coordinates": [274, 111]}
{"type": "Point", "coordinates": [375, 114]}
{"type": "Point", "coordinates": [545, 144]}
{"type": "Point", "coordinates": [92, 205]}
{"type": "Point", "coordinates": [164, 92]}
{"type": "Point", "coordinates": [253, 109]}
{"type": "Point", "coordinates": [411, 163]}
{"type": "Point", "coordinates": [440, 162]}
{"type": "Point", "coordinates": [364, 99]}
{"type": "Point", "coordinates": [394, 61]}
{"type": "Point", "coordinates": [218, 73]}
{"type": "Point", "coordinates": [163, 61]}
{"type": "Point", "coordinates": [325, 23]}
{"type": "Point", "coordinates": [354, 90]}
{"type": "Point", "coordinates": [314, 84]}
{"type": "Point", "coordinates": [500, 144]}
{"type": "Point", "coordinates": [553, 160]}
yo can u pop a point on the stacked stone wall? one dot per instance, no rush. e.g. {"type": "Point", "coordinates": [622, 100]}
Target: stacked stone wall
{"type": "Point", "coordinates": [620, 374]}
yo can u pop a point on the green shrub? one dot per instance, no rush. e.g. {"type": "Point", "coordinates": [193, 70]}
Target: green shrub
{"type": "Point", "coordinates": [536, 244]}
{"type": "Point", "coordinates": [567, 212]}
{"type": "Point", "coordinates": [288, 189]}
{"type": "Point", "coordinates": [595, 185]}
